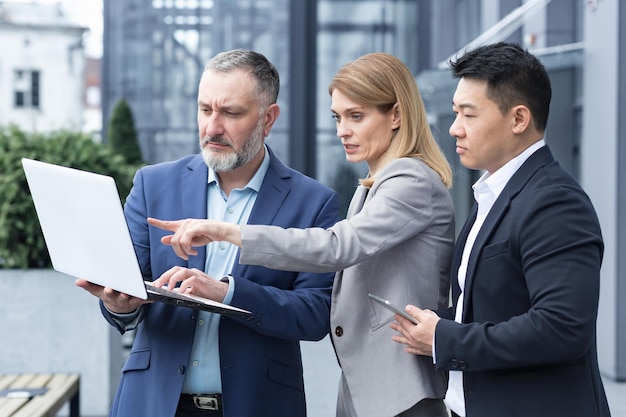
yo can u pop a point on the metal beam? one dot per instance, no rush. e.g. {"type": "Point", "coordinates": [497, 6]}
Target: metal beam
{"type": "Point", "coordinates": [502, 29]}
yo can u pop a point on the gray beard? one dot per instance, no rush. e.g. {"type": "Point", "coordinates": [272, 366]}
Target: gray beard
{"type": "Point", "coordinates": [228, 161]}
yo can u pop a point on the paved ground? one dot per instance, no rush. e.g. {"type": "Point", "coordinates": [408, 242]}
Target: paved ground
{"type": "Point", "coordinates": [321, 375]}
{"type": "Point", "coordinates": [616, 393]}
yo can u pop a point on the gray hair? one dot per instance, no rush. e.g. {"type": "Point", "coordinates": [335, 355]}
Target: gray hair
{"type": "Point", "coordinates": [265, 75]}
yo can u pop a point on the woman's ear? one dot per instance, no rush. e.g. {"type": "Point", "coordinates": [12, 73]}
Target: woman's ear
{"type": "Point", "coordinates": [395, 121]}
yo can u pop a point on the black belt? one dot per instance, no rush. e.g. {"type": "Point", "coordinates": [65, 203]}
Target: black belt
{"type": "Point", "coordinates": [211, 402]}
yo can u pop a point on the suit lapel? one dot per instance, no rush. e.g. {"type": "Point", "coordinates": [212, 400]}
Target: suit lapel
{"type": "Point", "coordinates": [493, 219]}
{"type": "Point", "coordinates": [356, 204]}
{"type": "Point", "coordinates": [458, 252]}
{"type": "Point", "coordinates": [272, 194]}
{"type": "Point", "coordinates": [194, 201]}
{"type": "Point", "coordinates": [529, 168]}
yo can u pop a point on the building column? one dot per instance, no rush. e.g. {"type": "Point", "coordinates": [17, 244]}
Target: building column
{"type": "Point", "coordinates": [603, 169]}
{"type": "Point", "coordinates": [302, 86]}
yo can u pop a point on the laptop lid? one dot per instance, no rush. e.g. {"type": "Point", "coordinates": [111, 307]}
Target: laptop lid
{"type": "Point", "coordinates": [84, 227]}
{"type": "Point", "coordinates": [86, 234]}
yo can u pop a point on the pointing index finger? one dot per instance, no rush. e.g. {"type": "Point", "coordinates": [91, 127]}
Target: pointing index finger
{"type": "Point", "coordinates": [171, 226]}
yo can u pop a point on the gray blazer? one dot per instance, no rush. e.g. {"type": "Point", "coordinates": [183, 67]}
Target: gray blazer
{"type": "Point", "coordinates": [396, 243]}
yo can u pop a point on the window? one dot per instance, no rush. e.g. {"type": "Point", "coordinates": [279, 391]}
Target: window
{"type": "Point", "coordinates": [26, 87]}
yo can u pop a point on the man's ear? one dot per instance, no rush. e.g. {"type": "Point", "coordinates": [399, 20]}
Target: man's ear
{"type": "Point", "coordinates": [522, 118]}
{"type": "Point", "coordinates": [271, 114]}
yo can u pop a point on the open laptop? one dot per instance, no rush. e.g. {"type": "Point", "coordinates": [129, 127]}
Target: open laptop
{"type": "Point", "coordinates": [86, 234]}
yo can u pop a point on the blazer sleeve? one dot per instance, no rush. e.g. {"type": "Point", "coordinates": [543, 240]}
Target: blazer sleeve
{"type": "Point", "coordinates": [289, 305]}
{"type": "Point", "coordinates": [533, 299]}
{"type": "Point", "coordinates": [405, 199]}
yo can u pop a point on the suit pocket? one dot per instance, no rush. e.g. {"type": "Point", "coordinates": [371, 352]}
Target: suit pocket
{"type": "Point", "coordinates": [137, 361]}
{"type": "Point", "coordinates": [495, 249]}
{"type": "Point", "coordinates": [286, 375]}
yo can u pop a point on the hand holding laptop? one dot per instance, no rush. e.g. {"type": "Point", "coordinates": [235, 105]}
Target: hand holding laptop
{"type": "Point", "coordinates": [117, 302]}
{"type": "Point", "coordinates": [101, 253]}
{"type": "Point", "coordinates": [192, 282]}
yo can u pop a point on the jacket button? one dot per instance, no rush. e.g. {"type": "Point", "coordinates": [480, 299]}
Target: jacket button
{"type": "Point", "coordinates": [181, 369]}
{"type": "Point", "coordinates": [338, 331]}
{"type": "Point", "coordinates": [454, 364]}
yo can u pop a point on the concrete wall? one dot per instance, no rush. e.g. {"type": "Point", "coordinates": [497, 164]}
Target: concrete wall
{"type": "Point", "coordinates": [50, 325]}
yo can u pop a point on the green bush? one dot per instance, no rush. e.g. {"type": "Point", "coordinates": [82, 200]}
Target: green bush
{"type": "Point", "coordinates": [121, 134]}
{"type": "Point", "coordinates": [21, 240]}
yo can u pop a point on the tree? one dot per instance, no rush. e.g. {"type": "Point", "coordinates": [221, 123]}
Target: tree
{"type": "Point", "coordinates": [21, 241]}
{"type": "Point", "coordinates": [121, 133]}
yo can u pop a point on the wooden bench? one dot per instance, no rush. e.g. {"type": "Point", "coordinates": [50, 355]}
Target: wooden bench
{"type": "Point", "coordinates": [38, 395]}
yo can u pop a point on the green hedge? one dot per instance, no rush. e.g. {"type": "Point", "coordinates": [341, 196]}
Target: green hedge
{"type": "Point", "coordinates": [21, 241]}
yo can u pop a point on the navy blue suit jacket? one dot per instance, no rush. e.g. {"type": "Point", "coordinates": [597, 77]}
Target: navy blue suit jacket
{"type": "Point", "coordinates": [261, 367]}
{"type": "Point", "coordinates": [527, 342]}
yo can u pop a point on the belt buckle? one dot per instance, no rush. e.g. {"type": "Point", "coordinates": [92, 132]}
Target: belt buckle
{"type": "Point", "coordinates": [206, 402]}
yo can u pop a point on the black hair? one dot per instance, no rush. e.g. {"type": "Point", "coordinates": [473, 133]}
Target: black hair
{"type": "Point", "coordinates": [513, 75]}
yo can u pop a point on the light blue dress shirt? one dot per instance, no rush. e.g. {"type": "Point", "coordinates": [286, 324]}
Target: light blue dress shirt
{"type": "Point", "coordinates": [203, 372]}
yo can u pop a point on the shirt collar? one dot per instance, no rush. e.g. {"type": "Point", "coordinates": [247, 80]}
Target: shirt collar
{"type": "Point", "coordinates": [498, 180]}
{"type": "Point", "coordinates": [256, 180]}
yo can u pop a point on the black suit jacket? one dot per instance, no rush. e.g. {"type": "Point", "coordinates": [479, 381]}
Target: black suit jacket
{"type": "Point", "coordinates": [527, 341]}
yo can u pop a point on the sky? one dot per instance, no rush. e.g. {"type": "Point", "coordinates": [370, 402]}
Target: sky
{"type": "Point", "coordinates": [87, 13]}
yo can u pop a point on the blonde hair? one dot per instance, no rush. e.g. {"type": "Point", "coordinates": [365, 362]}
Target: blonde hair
{"type": "Point", "coordinates": [382, 80]}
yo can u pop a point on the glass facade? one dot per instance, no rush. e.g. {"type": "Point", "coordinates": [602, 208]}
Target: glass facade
{"type": "Point", "coordinates": [154, 53]}
{"type": "Point", "coordinates": [346, 30]}
{"type": "Point", "coordinates": [155, 50]}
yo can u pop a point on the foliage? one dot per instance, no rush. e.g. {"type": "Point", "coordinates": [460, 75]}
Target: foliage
{"type": "Point", "coordinates": [121, 133]}
{"type": "Point", "coordinates": [21, 240]}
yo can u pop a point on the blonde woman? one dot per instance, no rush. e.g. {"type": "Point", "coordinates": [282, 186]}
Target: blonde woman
{"type": "Point", "coordinates": [396, 241]}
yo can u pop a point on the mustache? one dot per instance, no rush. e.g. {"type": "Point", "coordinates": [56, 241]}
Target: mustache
{"type": "Point", "coordinates": [218, 140]}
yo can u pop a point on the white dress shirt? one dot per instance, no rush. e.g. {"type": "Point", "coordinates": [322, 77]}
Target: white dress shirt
{"type": "Point", "coordinates": [486, 191]}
